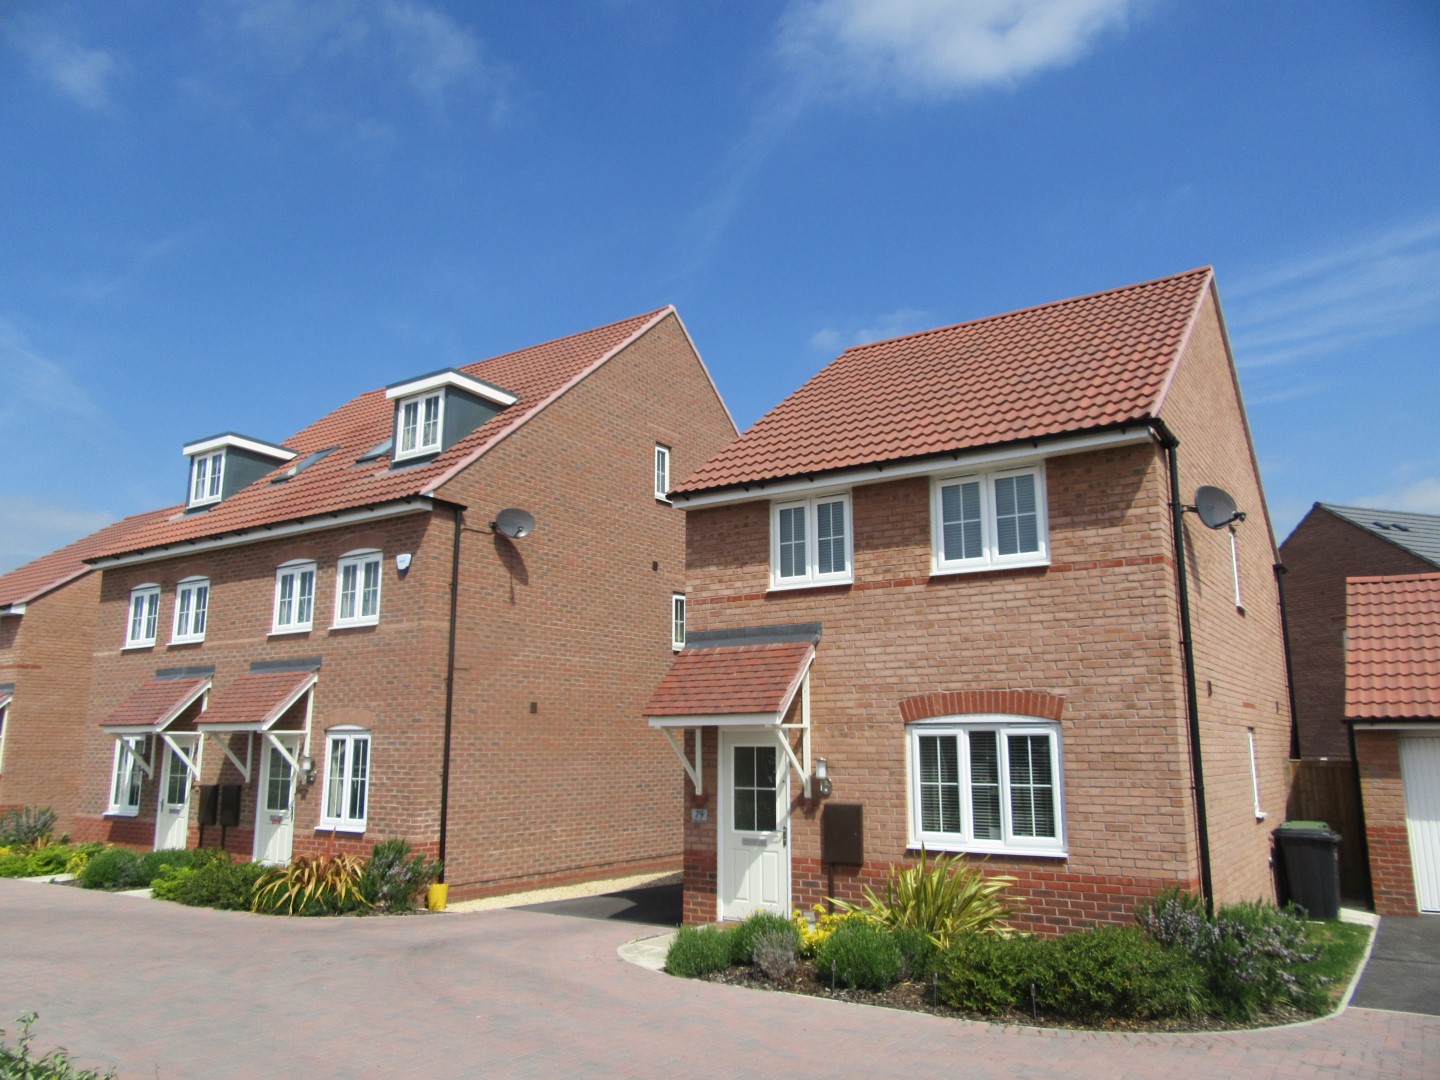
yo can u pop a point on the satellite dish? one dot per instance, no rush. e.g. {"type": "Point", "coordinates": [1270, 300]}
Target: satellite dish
{"type": "Point", "coordinates": [515, 524]}
{"type": "Point", "coordinates": [1215, 507]}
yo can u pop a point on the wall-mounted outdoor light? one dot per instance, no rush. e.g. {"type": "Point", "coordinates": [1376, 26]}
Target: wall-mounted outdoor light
{"type": "Point", "coordinates": [307, 767]}
{"type": "Point", "coordinates": [822, 775]}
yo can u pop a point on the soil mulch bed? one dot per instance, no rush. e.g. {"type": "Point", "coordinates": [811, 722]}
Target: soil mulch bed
{"type": "Point", "coordinates": [920, 997]}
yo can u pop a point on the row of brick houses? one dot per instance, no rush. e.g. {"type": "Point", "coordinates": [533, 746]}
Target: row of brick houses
{"type": "Point", "coordinates": [951, 594]}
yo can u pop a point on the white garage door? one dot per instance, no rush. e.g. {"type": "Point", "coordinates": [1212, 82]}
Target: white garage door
{"type": "Point", "coordinates": [1420, 767]}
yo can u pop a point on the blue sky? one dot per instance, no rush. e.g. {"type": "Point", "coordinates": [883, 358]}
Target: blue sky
{"type": "Point", "coordinates": [236, 215]}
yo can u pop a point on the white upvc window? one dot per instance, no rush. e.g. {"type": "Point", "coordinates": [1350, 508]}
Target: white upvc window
{"type": "Point", "coordinates": [989, 520]}
{"type": "Point", "coordinates": [192, 606]}
{"type": "Point", "coordinates": [418, 425]}
{"type": "Point", "coordinates": [662, 472]}
{"type": "Point", "coordinates": [811, 542]}
{"type": "Point", "coordinates": [357, 589]}
{"type": "Point", "coordinates": [986, 784]}
{"type": "Point", "coordinates": [125, 776]}
{"type": "Point", "coordinates": [294, 597]}
{"type": "Point", "coordinates": [677, 621]}
{"type": "Point", "coordinates": [347, 779]}
{"type": "Point", "coordinates": [142, 628]}
{"type": "Point", "coordinates": [206, 475]}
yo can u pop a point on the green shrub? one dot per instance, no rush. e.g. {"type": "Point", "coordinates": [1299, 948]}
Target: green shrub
{"type": "Point", "coordinates": [917, 951]}
{"type": "Point", "coordinates": [395, 877]}
{"type": "Point", "coordinates": [777, 951]}
{"type": "Point", "coordinates": [153, 862]}
{"type": "Point", "coordinates": [697, 951]}
{"type": "Point", "coordinates": [988, 974]}
{"type": "Point", "coordinates": [112, 868]}
{"type": "Point", "coordinates": [80, 855]}
{"type": "Point", "coordinates": [1118, 971]}
{"type": "Point", "coordinates": [51, 859]}
{"type": "Point", "coordinates": [943, 899]}
{"type": "Point", "coordinates": [214, 884]}
{"type": "Point", "coordinates": [14, 864]}
{"type": "Point", "coordinates": [744, 936]}
{"type": "Point", "coordinates": [16, 1061]}
{"type": "Point", "coordinates": [30, 826]}
{"type": "Point", "coordinates": [860, 953]}
{"type": "Point", "coordinates": [312, 885]}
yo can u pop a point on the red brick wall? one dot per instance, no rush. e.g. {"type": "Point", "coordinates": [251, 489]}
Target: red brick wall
{"type": "Point", "coordinates": [1239, 654]}
{"type": "Point", "coordinates": [1391, 877]}
{"type": "Point", "coordinates": [46, 654]}
{"type": "Point", "coordinates": [1319, 555]}
{"type": "Point", "coordinates": [575, 618]}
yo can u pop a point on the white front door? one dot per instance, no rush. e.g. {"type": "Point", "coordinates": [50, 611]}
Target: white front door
{"type": "Point", "coordinates": [172, 811]}
{"type": "Point", "coordinates": [1420, 772]}
{"type": "Point", "coordinates": [755, 826]}
{"type": "Point", "coordinates": [275, 807]}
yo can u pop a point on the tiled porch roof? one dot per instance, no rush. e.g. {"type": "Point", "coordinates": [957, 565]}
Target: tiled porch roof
{"type": "Point", "coordinates": [256, 700]}
{"type": "Point", "coordinates": [731, 680]}
{"type": "Point", "coordinates": [156, 704]}
{"type": "Point", "coordinates": [1392, 655]}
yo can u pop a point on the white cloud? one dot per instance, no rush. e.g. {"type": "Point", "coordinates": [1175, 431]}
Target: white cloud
{"type": "Point", "coordinates": [414, 41]}
{"type": "Point", "coordinates": [831, 340]}
{"type": "Point", "coordinates": [33, 387]}
{"type": "Point", "coordinates": [921, 48]}
{"type": "Point", "coordinates": [31, 528]}
{"type": "Point", "coordinates": [156, 252]}
{"type": "Point", "coordinates": [1419, 497]}
{"type": "Point", "coordinates": [82, 74]}
{"type": "Point", "coordinates": [1332, 300]}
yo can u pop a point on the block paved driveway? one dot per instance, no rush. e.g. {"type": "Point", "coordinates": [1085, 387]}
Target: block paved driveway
{"type": "Point", "coordinates": [162, 991]}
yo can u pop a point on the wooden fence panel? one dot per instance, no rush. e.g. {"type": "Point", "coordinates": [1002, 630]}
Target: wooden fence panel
{"type": "Point", "coordinates": [1325, 791]}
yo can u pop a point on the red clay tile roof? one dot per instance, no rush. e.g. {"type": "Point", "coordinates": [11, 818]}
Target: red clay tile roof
{"type": "Point", "coordinates": [743, 679]}
{"type": "Point", "coordinates": [35, 579]}
{"type": "Point", "coordinates": [253, 697]}
{"type": "Point", "coordinates": [536, 375]}
{"type": "Point", "coordinates": [1072, 366]}
{"type": "Point", "coordinates": [1392, 655]}
{"type": "Point", "coordinates": [156, 701]}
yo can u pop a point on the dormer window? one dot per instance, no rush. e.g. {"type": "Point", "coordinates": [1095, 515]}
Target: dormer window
{"type": "Point", "coordinates": [420, 425]}
{"type": "Point", "coordinates": [223, 464]}
{"type": "Point", "coordinates": [206, 471]}
{"type": "Point", "coordinates": [434, 412]}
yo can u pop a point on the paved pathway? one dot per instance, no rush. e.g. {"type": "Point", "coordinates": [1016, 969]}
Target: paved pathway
{"type": "Point", "coordinates": [1404, 968]}
{"type": "Point", "coordinates": [168, 992]}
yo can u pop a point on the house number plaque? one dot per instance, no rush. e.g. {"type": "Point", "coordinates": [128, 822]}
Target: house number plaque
{"type": "Point", "coordinates": [699, 815]}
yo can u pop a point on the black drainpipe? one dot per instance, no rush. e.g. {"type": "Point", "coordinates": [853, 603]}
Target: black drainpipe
{"type": "Point", "coordinates": [450, 688]}
{"type": "Point", "coordinates": [1280, 572]}
{"type": "Point", "coordinates": [1192, 700]}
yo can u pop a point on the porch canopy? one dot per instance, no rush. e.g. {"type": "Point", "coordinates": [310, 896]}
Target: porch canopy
{"type": "Point", "coordinates": [745, 678]}
{"type": "Point", "coordinates": [255, 704]}
{"type": "Point", "coordinates": [153, 708]}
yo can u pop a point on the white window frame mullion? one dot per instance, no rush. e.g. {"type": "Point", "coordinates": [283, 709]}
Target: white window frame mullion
{"type": "Point", "coordinates": [812, 576]}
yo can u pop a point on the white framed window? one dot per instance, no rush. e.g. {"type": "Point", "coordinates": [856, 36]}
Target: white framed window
{"type": "Point", "coordinates": [142, 627]}
{"type": "Point", "coordinates": [192, 606]}
{"type": "Point", "coordinates": [662, 472]}
{"type": "Point", "coordinates": [357, 589]}
{"type": "Point", "coordinates": [347, 779]}
{"type": "Point", "coordinates": [418, 425]}
{"type": "Point", "coordinates": [986, 783]}
{"type": "Point", "coordinates": [987, 520]}
{"type": "Point", "coordinates": [1260, 814]}
{"type": "Point", "coordinates": [125, 776]}
{"type": "Point", "coordinates": [810, 542]}
{"type": "Point", "coordinates": [206, 475]}
{"type": "Point", "coordinates": [294, 597]}
{"type": "Point", "coordinates": [677, 621]}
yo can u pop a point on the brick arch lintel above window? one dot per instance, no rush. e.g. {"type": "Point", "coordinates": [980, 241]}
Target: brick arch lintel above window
{"type": "Point", "coordinates": [1034, 703]}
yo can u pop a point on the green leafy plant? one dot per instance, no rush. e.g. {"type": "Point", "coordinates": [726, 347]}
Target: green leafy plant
{"type": "Point", "coordinates": [943, 899]}
{"type": "Point", "coordinates": [860, 953]}
{"type": "Point", "coordinates": [1118, 971]}
{"type": "Point", "coordinates": [813, 931]}
{"type": "Point", "coordinates": [80, 855]}
{"type": "Point", "coordinates": [395, 876]}
{"type": "Point", "coordinates": [988, 974]}
{"type": "Point", "coordinates": [744, 936]}
{"type": "Point", "coordinates": [112, 868]}
{"type": "Point", "coordinates": [217, 884]}
{"type": "Point", "coordinates": [312, 885]}
{"type": "Point", "coordinates": [698, 951]}
{"type": "Point", "coordinates": [29, 826]}
{"type": "Point", "coordinates": [18, 1063]}
{"type": "Point", "coordinates": [917, 951]}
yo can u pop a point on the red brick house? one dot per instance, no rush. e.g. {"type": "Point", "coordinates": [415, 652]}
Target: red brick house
{"type": "Point", "coordinates": [47, 619]}
{"type": "Point", "coordinates": [946, 571]}
{"type": "Point", "coordinates": [342, 638]}
{"type": "Point", "coordinates": [1392, 701]}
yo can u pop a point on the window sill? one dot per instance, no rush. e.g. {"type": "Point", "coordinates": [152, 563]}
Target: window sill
{"type": "Point", "coordinates": [278, 632]}
{"type": "Point", "coordinates": [123, 813]}
{"type": "Point", "coordinates": [185, 641]}
{"type": "Point", "coordinates": [989, 567]}
{"type": "Point", "coordinates": [137, 645]}
{"type": "Point", "coordinates": [1006, 852]}
{"type": "Point", "coordinates": [794, 586]}
{"type": "Point", "coordinates": [354, 625]}
{"type": "Point", "coordinates": [341, 826]}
